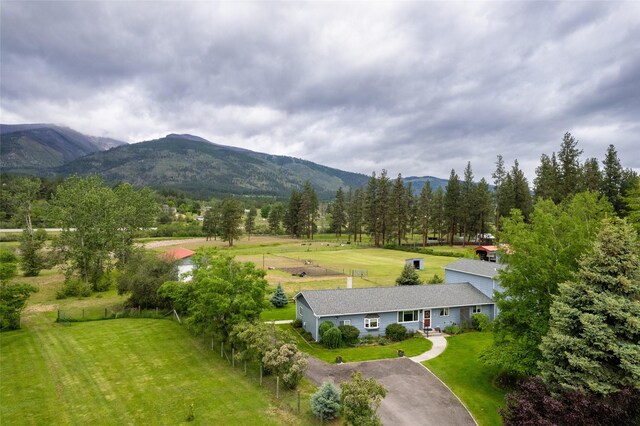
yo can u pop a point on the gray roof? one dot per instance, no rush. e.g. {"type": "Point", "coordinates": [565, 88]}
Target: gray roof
{"type": "Point", "coordinates": [476, 267]}
{"type": "Point", "coordinates": [387, 299]}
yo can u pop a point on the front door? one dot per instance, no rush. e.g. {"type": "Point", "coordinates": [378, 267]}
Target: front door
{"type": "Point", "coordinates": [427, 318]}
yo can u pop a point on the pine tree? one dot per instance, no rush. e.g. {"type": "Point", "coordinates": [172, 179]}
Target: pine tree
{"type": "Point", "coordinates": [409, 276]}
{"type": "Point", "coordinates": [384, 195]}
{"type": "Point", "coordinates": [521, 192]}
{"type": "Point", "coordinates": [425, 212]}
{"type": "Point", "coordinates": [466, 203]}
{"type": "Point", "coordinates": [591, 175]}
{"type": "Point", "coordinates": [371, 209]}
{"type": "Point", "coordinates": [593, 342]}
{"type": "Point", "coordinates": [452, 200]}
{"type": "Point", "coordinates": [325, 403]}
{"type": "Point", "coordinates": [399, 211]}
{"type": "Point", "coordinates": [438, 214]}
{"type": "Point", "coordinates": [339, 213]}
{"type": "Point", "coordinates": [483, 207]}
{"type": "Point", "coordinates": [279, 298]}
{"type": "Point", "coordinates": [569, 167]}
{"type": "Point", "coordinates": [211, 222]}
{"type": "Point", "coordinates": [499, 176]}
{"type": "Point", "coordinates": [250, 221]}
{"type": "Point", "coordinates": [231, 210]}
{"type": "Point", "coordinates": [547, 179]}
{"type": "Point", "coordinates": [291, 218]}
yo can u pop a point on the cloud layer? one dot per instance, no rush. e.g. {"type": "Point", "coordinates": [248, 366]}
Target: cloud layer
{"type": "Point", "coordinates": [416, 88]}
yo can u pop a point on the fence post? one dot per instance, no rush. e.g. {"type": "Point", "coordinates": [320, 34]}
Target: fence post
{"type": "Point", "coordinates": [260, 374]}
{"type": "Point", "coordinates": [278, 387]}
{"type": "Point", "coordinates": [233, 357]}
{"type": "Point", "coordinates": [58, 314]}
{"type": "Point", "coordinates": [221, 349]}
{"type": "Point", "coordinates": [82, 313]}
{"type": "Point", "coordinates": [298, 402]}
{"type": "Point", "coordinates": [105, 312]}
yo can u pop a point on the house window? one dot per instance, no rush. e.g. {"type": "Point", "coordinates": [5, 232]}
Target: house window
{"type": "Point", "coordinates": [344, 322]}
{"type": "Point", "coordinates": [371, 322]}
{"type": "Point", "coordinates": [300, 311]}
{"type": "Point", "coordinates": [477, 309]}
{"type": "Point", "coordinates": [444, 312]}
{"type": "Point", "coordinates": [407, 316]}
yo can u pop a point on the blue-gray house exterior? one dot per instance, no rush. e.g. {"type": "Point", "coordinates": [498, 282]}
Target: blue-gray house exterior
{"type": "Point", "coordinates": [482, 275]}
{"type": "Point", "coordinates": [371, 310]}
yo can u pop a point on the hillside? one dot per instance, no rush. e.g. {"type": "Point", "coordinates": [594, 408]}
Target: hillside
{"type": "Point", "coordinates": [418, 182]}
{"type": "Point", "coordinates": [33, 148]}
{"type": "Point", "coordinates": [205, 169]}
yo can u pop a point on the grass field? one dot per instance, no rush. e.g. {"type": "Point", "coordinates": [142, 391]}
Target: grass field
{"type": "Point", "coordinates": [461, 369]}
{"type": "Point", "coordinates": [128, 371]}
{"type": "Point", "coordinates": [411, 347]}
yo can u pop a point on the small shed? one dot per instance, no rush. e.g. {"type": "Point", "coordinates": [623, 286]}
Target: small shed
{"type": "Point", "coordinates": [486, 253]}
{"type": "Point", "coordinates": [417, 263]}
{"type": "Point", "coordinates": [183, 257]}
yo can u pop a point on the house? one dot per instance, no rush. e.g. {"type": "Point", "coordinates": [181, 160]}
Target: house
{"type": "Point", "coordinates": [482, 275]}
{"type": "Point", "coordinates": [183, 257]}
{"type": "Point", "coordinates": [371, 310]}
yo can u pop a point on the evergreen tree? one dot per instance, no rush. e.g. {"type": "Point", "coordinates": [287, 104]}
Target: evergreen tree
{"type": "Point", "coordinates": [482, 208]}
{"type": "Point", "coordinates": [279, 298]}
{"type": "Point", "coordinates": [570, 169]}
{"type": "Point", "coordinates": [409, 276]}
{"type": "Point", "coordinates": [231, 220]}
{"type": "Point", "coordinates": [325, 403]}
{"type": "Point", "coordinates": [499, 176]}
{"type": "Point", "coordinates": [612, 178]}
{"type": "Point", "coordinates": [339, 213]}
{"type": "Point", "coordinates": [399, 211]}
{"type": "Point", "coordinates": [467, 202]}
{"type": "Point", "coordinates": [543, 252]}
{"type": "Point", "coordinates": [521, 192]}
{"type": "Point", "coordinates": [358, 214]}
{"type": "Point", "coordinates": [593, 342]}
{"type": "Point", "coordinates": [291, 219]}
{"type": "Point", "coordinates": [438, 214]}
{"type": "Point", "coordinates": [384, 195]}
{"type": "Point", "coordinates": [425, 212]}
{"type": "Point", "coordinates": [307, 210]}
{"type": "Point", "coordinates": [31, 259]}
{"type": "Point", "coordinates": [211, 222]}
{"type": "Point", "coordinates": [371, 209]}
{"type": "Point", "coordinates": [23, 192]}
{"type": "Point", "coordinates": [250, 221]}
{"type": "Point", "coordinates": [632, 205]}
{"type": "Point", "coordinates": [452, 199]}
{"type": "Point", "coordinates": [547, 179]}
{"type": "Point", "coordinates": [276, 217]}
{"type": "Point", "coordinates": [591, 175]}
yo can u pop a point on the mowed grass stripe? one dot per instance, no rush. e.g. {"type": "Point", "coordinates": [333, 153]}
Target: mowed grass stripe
{"type": "Point", "coordinates": [128, 371]}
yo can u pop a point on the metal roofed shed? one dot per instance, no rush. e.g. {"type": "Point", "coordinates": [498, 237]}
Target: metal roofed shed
{"type": "Point", "coordinates": [417, 263]}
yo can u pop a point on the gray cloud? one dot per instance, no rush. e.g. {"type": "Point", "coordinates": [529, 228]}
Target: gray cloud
{"type": "Point", "coordinates": [416, 88]}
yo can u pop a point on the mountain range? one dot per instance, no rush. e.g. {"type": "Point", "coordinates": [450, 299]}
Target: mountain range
{"type": "Point", "coordinates": [177, 161]}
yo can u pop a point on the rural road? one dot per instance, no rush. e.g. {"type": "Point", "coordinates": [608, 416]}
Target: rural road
{"type": "Point", "coordinates": [415, 396]}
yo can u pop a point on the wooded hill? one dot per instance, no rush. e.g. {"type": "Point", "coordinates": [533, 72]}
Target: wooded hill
{"type": "Point", "coordinates": [184, 162]}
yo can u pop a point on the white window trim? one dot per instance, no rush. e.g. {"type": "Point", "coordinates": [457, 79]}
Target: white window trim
{"type": "Point", "coordinates": [367, 323]}
{"type": "Point", "coordinates": [444, 312]}
{"type": "Point", "coordinates": [300, 310]}
{"type": "Point", "coordinates": [416, 316]}
{"type": "Point", "coordinates": [477, 309]}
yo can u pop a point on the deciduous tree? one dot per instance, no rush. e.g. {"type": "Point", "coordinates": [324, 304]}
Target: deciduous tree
{"type": "Point", "coordinates": [360, 400]}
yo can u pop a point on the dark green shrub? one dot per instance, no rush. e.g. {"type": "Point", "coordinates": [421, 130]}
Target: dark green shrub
{"type": "Point", "coordinates": [279, 298]}
{"type": "Point", "coordinates": [409, 276]}
{"type": "Point", "coordinates": [350, 334]}
{"type": "Point", "coordinates": [297, 323]}
{"type": "Point", "coordinates": [332, 338]}
{"type": "Point", "coordinates": [73, 287]}
{"type": "Point", "coordinates": [481, 322]}
{"type": "Point", "coordinates": [435, 279]}
{"type": "Point", "coordinates": [452, 329]}
{"type": "Point", "coordinates": [396, 332]}
{"type": "Point", "coordinates": [324, 326]}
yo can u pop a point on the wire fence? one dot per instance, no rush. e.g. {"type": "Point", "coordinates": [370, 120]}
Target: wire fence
{"type": "Point", "coordinates": [94, 313]}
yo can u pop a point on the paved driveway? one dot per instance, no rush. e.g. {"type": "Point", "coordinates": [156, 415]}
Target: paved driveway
{"type": "Point", "coordinates": [415, 396]}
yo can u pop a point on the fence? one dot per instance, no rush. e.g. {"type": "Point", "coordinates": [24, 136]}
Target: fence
{"type": "Point", "coordinates": [93, 313]}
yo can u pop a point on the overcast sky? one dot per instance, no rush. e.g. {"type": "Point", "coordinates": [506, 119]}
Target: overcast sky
{"type": "Point", "coordinates": [415, 88]}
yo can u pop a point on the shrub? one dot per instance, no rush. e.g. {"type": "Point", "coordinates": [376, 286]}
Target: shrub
{"type": "Point", "coordinates": [73, 287]}
{"type": "Point", "coordinates": [452, 329]}
{"type": "Point", "coordinates": [350, 334]}
{"type": "Point", "coordinates": [435, 279]}
{"type": "Point", "coordinates": [332, 338]}
{"type": "Point", "coordinates": [409, 276]}
{"type": "Point", "coordinates": [481, 322]}
{"type": "Point", "coordinates": [324, 326]}
{"type": "Point", "coordinates": [279, 298]}
{"type": "Point", "coordinates": [297, 323]}
{"type": "Point", "coordinates": [396, 332]}
{"type": "Point", "coordinates": [325, 403]}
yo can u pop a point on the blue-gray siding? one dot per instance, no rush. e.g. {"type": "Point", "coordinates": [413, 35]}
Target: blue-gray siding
{"type": "Point", "coordinates": [485, 284]}
{"type": "Point", "coordinates": [307, 317]}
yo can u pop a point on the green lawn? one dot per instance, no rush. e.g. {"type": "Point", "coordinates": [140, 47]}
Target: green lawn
{"type": "Point", "coordinates": [127, 371]}
{"type": "Point", "coordinates": [275, 314]}
{"type": "Point", "coordinates": [411, 347]}
{"type": "Point", "coordinates": [461, 369]}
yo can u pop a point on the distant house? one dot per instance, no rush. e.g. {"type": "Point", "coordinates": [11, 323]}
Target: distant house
{"type": "Point", "coordinates": [371, 310]}
{"type": "Point", "coordinates": [183, 258]}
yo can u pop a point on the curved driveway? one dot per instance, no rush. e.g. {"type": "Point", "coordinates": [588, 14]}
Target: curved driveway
{"type": "Point", "coordinates": [415, 396]}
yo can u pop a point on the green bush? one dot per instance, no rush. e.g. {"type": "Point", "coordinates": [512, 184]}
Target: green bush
{"type": "Point", "coordinates": [396, 332]}
{"type": "Point", "coordinates": [297, 323]}
{"type": "Point", "coordinates": [325, 403]}
{"type": "Point", "coordinates": [332, 338]}
{"type": "Point", "coordinates": [324, 326]}
{"type": "Point", "coordinates": [350, 334]}
{"type": "Point", "coordinates": [73, 287]}
{"type": "Point", "coordinates": [436, 279]}
{"type": "Point", "coordinates": [481, 322]}
{"type": "Point", "coordinates": [452, 329]}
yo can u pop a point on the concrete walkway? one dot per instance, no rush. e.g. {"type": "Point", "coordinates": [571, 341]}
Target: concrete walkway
{"type": "Point", "coordinates": [439, 345]}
